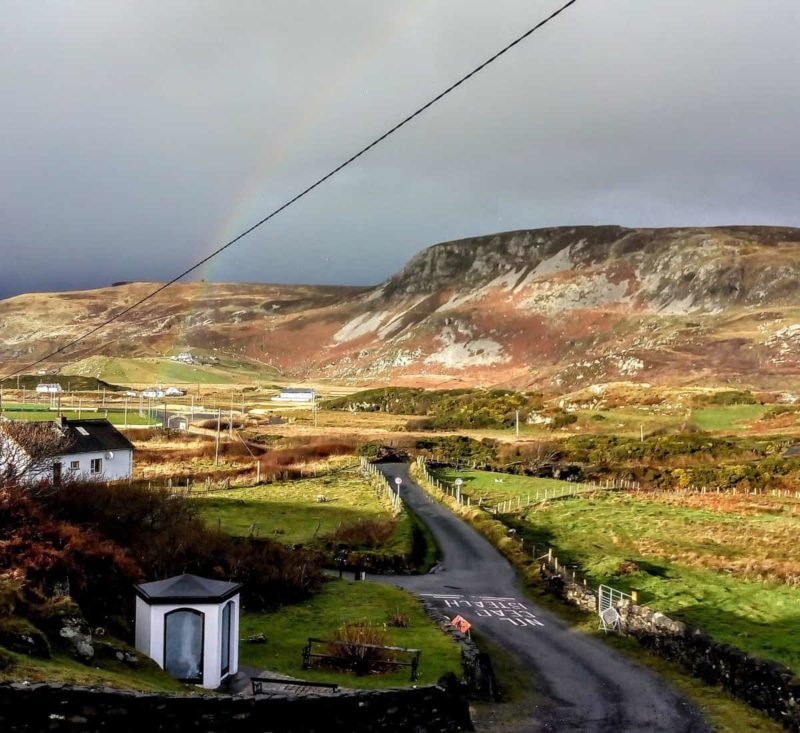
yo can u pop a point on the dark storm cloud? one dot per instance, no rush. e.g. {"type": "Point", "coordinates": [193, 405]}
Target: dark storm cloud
{"type": "Point", "coordinates": [136, 136]}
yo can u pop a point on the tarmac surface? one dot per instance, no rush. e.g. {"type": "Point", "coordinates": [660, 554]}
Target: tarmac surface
{"type": "Point", "coordinates": [583, 685]}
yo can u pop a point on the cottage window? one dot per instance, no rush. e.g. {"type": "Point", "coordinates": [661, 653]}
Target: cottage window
{"type": "Point", "coordinates": [97, 465]}
{"type": "Point", "coordinates": [74, 465]}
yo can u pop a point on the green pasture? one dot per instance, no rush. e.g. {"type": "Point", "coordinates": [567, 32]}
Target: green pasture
{"type": "Point", "coordinates": [339, 602]}
{"type": "Point", "coordinates": [16, 411]}
{"type": "Point", "coordinates": [165, 371]}
{"type": "Point", "coordinates": [721, 571]}
{"type": "Point", "coordinates": [496, 487]}
{"type": "Point", "coordinates": [289, 512]}
{"type": "Point", "coordinates": [728, 417]}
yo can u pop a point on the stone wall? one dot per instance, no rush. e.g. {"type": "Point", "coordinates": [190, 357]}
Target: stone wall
{"type": "Point", "coordinates": [479, 678]}
{"type": "Point", "coordinates": [34, 708]}
{"type": "Point", "coordinates": [766, 686]}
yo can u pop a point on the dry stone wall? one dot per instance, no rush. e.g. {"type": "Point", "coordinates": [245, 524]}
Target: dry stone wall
{"type": "Point", "coordinates": [479, 678]}
{"type": "Point", "coordinates": [34, 708]}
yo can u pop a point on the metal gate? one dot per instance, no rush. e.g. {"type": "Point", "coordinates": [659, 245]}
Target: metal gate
{"type": "Point", "coordinates": [608, 599]}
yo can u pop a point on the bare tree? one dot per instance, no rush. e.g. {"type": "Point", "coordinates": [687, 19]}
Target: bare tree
{"type": "Point", "coordinates": [543, 454]}
{"type": "Point", "coordinates": [28, 449]}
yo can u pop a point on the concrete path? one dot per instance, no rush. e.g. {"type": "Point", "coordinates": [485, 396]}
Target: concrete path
{"type": "Point", "coordinates": [585, 685]}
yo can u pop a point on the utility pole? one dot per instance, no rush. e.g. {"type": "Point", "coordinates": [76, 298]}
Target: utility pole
{"type": "Point", "coordinates": [314, 409]}
{"type": "Point", "coordinates": [641, 433]}
{"type": "Point", "coordinates": [80, 405]}
{"type": "Point", "coordinates": [216, 446]}
{"type": "Point", "coordinates": [126, 413]}
{"type": "Point", "coordinates": [230, 420]}
{"type": "Point", "coordinates": [166, 419]}
{"type": "Point", "coordinates": [192, 412]}
{"type": "Point", "coordinates": [517, 422]}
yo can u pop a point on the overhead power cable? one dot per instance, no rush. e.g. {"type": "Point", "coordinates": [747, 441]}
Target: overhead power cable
{"type": "Point", "coordinates": [117, 316]}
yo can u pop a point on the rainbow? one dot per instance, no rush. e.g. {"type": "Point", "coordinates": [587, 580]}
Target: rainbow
{"type": "Point", "coordinates": [248, 203]}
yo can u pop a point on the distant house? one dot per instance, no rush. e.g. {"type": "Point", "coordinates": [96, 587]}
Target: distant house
{"type": "Point", "coordinates": [91, 449]}
{"type": "Point", "coordinates": [49, 388]}
{"type": "Point", "coordinates": [297, 394]}
{"type": "Point", "coordinates": [153, 393]}
{"type": "Point", "coordinates": [174, 392]}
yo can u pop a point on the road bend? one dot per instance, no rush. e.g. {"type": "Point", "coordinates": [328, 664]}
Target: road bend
{"type": "Point", "coordinates": [584, 684]}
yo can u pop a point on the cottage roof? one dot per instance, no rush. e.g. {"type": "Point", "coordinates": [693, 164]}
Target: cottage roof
{"type": "Point", "coordinates": [187, 588]}
{"type": "Point", "coordinates": [79, 436]}
{"type": "Point", "coordinates": [90, 436]}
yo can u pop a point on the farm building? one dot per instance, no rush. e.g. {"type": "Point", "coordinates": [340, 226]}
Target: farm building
{"type": "Point", "coordinates": [92, 449]}
{"type": "Point", "coordinates": [153, 392]}
{"type": "Point", "coordinates": [48, 388]}
{"type": "Point", "coordinates": [174, 392]}
{"type": "Point", "coordinates": [297, 394]}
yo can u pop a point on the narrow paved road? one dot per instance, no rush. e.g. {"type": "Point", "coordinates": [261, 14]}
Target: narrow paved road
{"type": "Point", "coordinates": [587, 685]}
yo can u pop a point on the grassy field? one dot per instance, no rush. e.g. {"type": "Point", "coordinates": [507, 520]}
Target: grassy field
{"type": "Point", "coordinates": [289, 511]}
{"type": "Point", "coordinates": [728, 417]}
{"type": "Point", "coordinates": [119, 370]}
{"type": "Point", "coordinates": [496, 487]}
{"type": "Point", "coordinates": [730, 565]}
{"type": "Point", "coordinates": [36, 412]}
{"type": "Point", "coordinates": [341, 602]}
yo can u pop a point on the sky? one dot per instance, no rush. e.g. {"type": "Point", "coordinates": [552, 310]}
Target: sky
{"type": "Point", "coordinates": [136, 136]}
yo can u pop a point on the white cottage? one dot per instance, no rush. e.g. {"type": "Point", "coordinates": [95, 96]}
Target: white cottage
{"type": "Point", "coordinates": [92, 449]}
{"type": "Point", "coordinates": [297, 394]}
{"type": "Point", "coordinates": [189, 626]}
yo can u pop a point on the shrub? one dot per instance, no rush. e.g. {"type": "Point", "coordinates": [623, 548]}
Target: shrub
{"type": "Point", "coordinates": [87, 536]}
{"type": "Point", "coordinates": [355, 657]}
{"type": "Point", "coordinates": [444, 409]}
{"type": "Point", "coordinates": [725, 397]}
{"type": "Point", "coordinates": [562, 419]}
{"type": "Point", "coordinates": [368, 533]}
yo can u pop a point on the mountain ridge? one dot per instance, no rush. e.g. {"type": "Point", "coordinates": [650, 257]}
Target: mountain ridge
{"type": "Point", "coordinates": [556, 308]}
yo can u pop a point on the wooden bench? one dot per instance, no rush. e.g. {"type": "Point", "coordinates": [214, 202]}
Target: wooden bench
{"type": "Point", "coordinates": [360, 666]}
{"type": "Point", "coordinates": [259, 682]}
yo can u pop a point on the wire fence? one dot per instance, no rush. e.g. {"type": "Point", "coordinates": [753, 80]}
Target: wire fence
{"type": "Point", "coordinates": [521, 502]}
{"type": "Point", "coordinates": [383, 486]}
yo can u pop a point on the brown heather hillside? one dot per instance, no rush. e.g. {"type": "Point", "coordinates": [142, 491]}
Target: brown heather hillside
{"type": "Point", "coordinates": [555, 308]}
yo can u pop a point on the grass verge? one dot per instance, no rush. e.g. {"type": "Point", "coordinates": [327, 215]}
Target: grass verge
{"type": "Point", "coordinates": [339, 602]}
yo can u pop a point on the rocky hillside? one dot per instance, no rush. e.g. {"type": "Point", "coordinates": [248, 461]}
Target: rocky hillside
{"type": "Point", "coordinates": [554, 308]}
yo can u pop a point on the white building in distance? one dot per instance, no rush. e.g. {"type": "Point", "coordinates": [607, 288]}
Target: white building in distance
{"type": "Point", "coordinates": [49, 388]}
{"type": "Point", "coordinates": [297, 394]}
